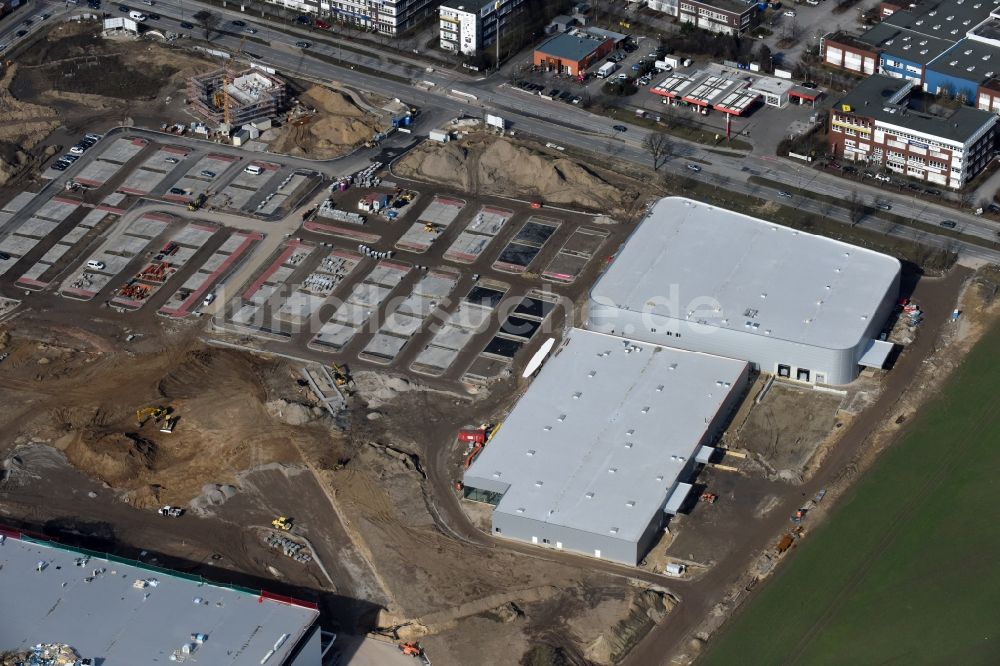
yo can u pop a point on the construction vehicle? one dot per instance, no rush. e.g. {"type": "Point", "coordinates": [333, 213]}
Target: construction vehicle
{"type": "Point", "coordinates": [341, 376]}
{"type": "Point", "coordinates": [282, 523]}
{"type": "Point", "coordinates": [411, 649]}
{"type": "Point", "coordinates": [169, 423]}
{"type": "Point", "coordinates": [197, 202]}
{"type": "Point", "coordinates": [800, 515]}
{"type": "Point", "coordinates": [143, 414]}
{"type": "Point", "coordinates": [478, 437]}
{"type": "Point", "coordinates": [429, 227]}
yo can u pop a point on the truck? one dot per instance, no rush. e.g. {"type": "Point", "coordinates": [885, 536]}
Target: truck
{"type": "Point", "coordinates": [673, 61]}
{"type": "Point", "coordinates": [663, 65]}
{"type": "Point", "coordinates": [606, 70]}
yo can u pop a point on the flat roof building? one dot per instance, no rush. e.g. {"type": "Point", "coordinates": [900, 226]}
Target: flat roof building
{"type": "Point", "coordinates": [698, 277]}
{"type": "Point", "coordinates": [599, 450]}
{"type": "Point", "coordinates": [121, 614]}
{"type": "Point", "coordinates": [877, 124]}
{"type": "Point", "coordinates": [572, 52]}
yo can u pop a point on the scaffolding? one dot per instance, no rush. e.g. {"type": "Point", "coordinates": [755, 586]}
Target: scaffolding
{"type": "Point", "coordinates": [237, 98]}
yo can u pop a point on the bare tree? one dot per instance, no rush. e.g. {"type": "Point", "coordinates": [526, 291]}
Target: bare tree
{"type": "Point", "coordinates": [659, 147]}
{"type": "Point", "coordinates": [855, 207]}
{"type": "Point", "coordinates": [208, 22]}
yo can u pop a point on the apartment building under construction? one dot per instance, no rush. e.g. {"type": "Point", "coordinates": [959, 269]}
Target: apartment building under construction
{"type": "Point", "coordinates": [250, 95]}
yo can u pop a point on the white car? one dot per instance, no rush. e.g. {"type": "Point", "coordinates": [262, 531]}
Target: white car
{"type": "Point", "coordinates": [790, 12]}
{"type": "Point", "coordinates": [171, 511]}
{"type": "Point", "coordinates": [882, 177]}
{"type": "Point", "coordinates": [77, 150]}
{"type": "Point", "coordinates": [208, 300]}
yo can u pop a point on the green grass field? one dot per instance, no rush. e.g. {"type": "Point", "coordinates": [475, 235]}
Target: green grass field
{"type": "Point", "coordinates": [906, 570]}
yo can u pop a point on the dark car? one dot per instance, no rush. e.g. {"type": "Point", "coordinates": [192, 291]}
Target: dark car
{"type": "Point", "coordinates": [177, 190]}
{"type": "Point", "coordinates": [4, 256]}
{"type": "Point", "coordinates": [21, 33]}
{"type": "Point", "coordinates": [809, 84]}
{"type": "Point", "coordinates": [94, 4]}
{"type": "Point", "coordinates": [187, 26]}
{"type": "Point", "coordinates": [302, 19]}
{"type": "Point", "coordinates": [27, 22]}
{"type": "Point", "coordinates": [60, 166]}
{"type": "Point", "coordinates": [947, 224]}
{"type": "Point", "coordinates": [238, 23]}
{"type": "Point", "coordinates": [303, 45]}
{"type": "Point", "coordinates": [124, 9]}
{"type": "Point", "coordinates": [933, 192]}
{"type": "Point", "coordinates": [153, 17]}
{"type": "Point", "coordinates": [620, 128]}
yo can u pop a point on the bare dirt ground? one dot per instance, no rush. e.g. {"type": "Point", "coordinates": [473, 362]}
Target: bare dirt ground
{"type": "Point", "coordinates": [71, 77]}
{"type": "Point", "coordinates": [337, 126]}
{"type": "Point", "coordinates": [485, 164]}
{"type": "Point", "coordinates": [787, 427]}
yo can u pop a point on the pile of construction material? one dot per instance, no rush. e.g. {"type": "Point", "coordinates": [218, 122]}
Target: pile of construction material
{"type": "Point", "coordinates": [43, 654]}
{"type": "Point", "coordinates": [292, 549]}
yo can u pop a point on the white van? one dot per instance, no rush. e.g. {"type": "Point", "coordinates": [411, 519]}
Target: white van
{"type": "Point", "coordinates": [96, 265]}
{"type": "Point", "coordinates": [137, 16]}
{"type": "Point", "coordinates": [254, 169]}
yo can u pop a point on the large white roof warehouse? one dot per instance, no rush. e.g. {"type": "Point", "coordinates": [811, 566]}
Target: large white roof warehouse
{"type": "Point", "coordinates": [698, 277]}
{"type": "Point", "coordinates": [593, 452]}
{"type": "Point", "coordinates": [119, 614]}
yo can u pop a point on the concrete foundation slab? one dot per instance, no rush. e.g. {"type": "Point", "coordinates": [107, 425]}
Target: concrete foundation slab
{"type": "Point", "coordinates": [333, 336]}
{"type": "Point", "coordinates": [122, 150]}
{"type": "Point", "coordinates": [97, 173]}
{"type": "Point", "coordinates": [57, 209]}
{"type": "Point", "coordinates": [434, 359]}
{"type": "Point", "coordinates": [384, 346]}
{"type": "Point", "coordinates": [367, 294]}
{"type": "Point", "coordinates": [452, 337]}
{"type": "Point", "coordinates": [36, 228]}
{"type": "Point", "coordinates": [19, 202]}
{"type": "Point", "coordinates": [403, 325]}
{"type": "Point", "coordinates": [141, 181]}
{"type": "Point", "coordinates": [17, 246]}
{"type": "Point", "coordinates": [387, 276]}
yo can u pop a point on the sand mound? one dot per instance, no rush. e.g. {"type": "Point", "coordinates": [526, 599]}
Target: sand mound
{"type": "Point", "coordinates": [337, 127]}
{"type": "Point", "coordinates": [22, 127]}
{"type": "Point", "coordinates": [498, 166]}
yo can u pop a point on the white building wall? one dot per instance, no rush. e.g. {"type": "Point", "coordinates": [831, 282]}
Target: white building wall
{"type": "Point", "coordinates": [828, 366]}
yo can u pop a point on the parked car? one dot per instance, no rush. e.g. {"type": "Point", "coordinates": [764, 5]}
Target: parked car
{"type": "Point", "coordinates": [187, 26]}
{"type": "Point", "coordinates": [933, 192]}
{"type": "Point", "coordinates": [45, 17]}
{"type": "Point", "coordinates": [948, 224]}
{"type": "Point", "coordinates": [790, 13]}
{"type": "Point", "coordinates": [125, 9]}
{"type": "Point", "coordinates": [171, 160]}
{"type": "Point", "coordinates": [883, 206]}
{"type": "Point", "coordinates": [77, 149]}
{"type": "Point", "coordinates": [322, 25]}
{"type": "Point", "coordinates": [694, 167]}
{"type": "Point", "coordinates": [207, 174]}
{"type": "Point", "coordinates": [69, 158]}
{"type": "Point", "coordinates": [784, 194]}
{"type": "Point", "coordinates": [620, 128]}
{"type": "Point", "coordinates": [60, 166]}
{"type": "Point", "coordinates": [177, 190]}
{"type": "Point", "coordinates": [4, 256]}
{"type": "Point", "coordinates": [303, 45]}
{"type": "Point", "coordinates": [153, 17]}
{"type": "Point", "coordinates": [208, 299]}
{"type": "Point", "coordinates": [238, 23]}
{"type": "Point", "coordinates": [250, 31]}
{"type": "Point", "coordinates": [882, 177]}
{"type": "Point", "coordinates": [20, 33]}
{"type": "Point", "coordinates": [302, 19]}
{"type": "Point", "coordinates": [171, 511]}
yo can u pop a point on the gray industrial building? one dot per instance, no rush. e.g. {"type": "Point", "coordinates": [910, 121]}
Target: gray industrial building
{"type": "Point", "coordinates": [600, 449]}
{"type": "Point", "coordinates": [118, 614]}
{"type": "Point", "coordinates": [697, 277]}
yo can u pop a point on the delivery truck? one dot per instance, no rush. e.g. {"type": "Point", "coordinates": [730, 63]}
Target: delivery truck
{"type": "Point", "coordinates": [606, 70]}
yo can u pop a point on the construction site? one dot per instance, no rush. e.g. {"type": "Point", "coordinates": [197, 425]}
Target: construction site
{"type": "Point", "coordinates": [374, 385]}
{"type": "Point", "coordinates": [237, 98]}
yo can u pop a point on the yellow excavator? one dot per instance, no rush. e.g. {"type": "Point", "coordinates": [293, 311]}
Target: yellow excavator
{"type": "Point", "coordinates": [143, 414]}
{"type": "Point", "coordinates": [282, 523]}
{"type": "Point", "coordinates": [429, 227]}
{"type": "Point", "coordinates": [340, 375]}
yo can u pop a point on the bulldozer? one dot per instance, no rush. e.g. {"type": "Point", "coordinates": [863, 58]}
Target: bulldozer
{"type": "Point", "coordinates": [143, 414]}
{"type": "Point", "coordinates": [282, 523]}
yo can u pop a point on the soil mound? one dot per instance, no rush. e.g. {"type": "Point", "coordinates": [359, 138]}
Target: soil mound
{"type": "Point", "coordinates": [337, 126]}
{"type": "Point", "coordinates": [114, 457]}
{"type": "Point", "coordinates": [499, 166]}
